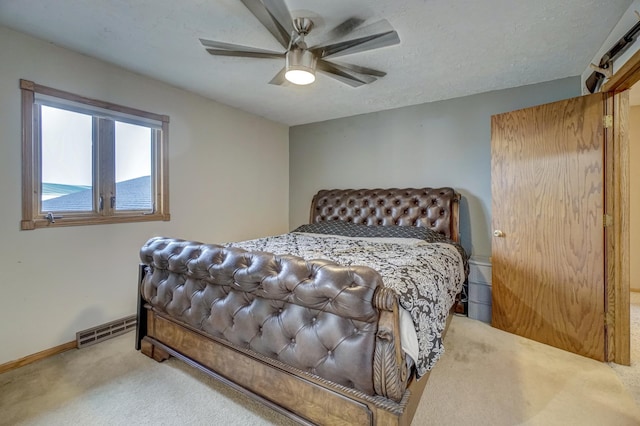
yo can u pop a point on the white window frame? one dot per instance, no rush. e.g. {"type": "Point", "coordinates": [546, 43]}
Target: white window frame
{"type": "Point", "coordinates": [104, 114]}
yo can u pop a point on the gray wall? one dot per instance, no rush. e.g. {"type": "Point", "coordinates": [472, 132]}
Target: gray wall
{"type": "Point", "coordinates": [446, 143]}
{"type": "Point", "coordinates": [56, 282]}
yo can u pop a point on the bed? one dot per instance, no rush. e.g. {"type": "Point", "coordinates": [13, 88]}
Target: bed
{"type": "Point", "coordinates": [336, 322]}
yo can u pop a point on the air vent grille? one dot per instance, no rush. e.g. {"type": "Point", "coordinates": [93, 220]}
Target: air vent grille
{"type": "Point", "coordinates": [105, 331]}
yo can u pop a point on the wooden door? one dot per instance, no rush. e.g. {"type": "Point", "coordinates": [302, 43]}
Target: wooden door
{"type": "Point", "coordinates": [547, 185]}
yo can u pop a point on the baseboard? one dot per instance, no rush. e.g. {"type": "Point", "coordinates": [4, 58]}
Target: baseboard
{"type": "Point", "coordinates": [12, 365]}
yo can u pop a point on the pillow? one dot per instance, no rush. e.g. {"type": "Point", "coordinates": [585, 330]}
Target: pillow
{"type": "Point", "coordinates": [349, 229]}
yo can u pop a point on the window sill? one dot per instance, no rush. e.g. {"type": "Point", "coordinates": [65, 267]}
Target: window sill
{"type": "Point", "coordinates": [28, 225]}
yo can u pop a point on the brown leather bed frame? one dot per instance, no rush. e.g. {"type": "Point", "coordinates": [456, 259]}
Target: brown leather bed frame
{"type": "Point", "coordinates": [207, 305]}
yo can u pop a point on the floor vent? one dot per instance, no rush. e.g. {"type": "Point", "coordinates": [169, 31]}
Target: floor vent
{"type": "Point", "coordinates": [105, 331]}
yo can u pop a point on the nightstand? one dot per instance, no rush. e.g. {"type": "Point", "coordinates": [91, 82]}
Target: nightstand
{"type": "Point", "coordinates": [480, 288]}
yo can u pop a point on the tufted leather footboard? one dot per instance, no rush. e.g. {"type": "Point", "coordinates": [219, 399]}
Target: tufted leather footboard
{"type": "Point", "coordinates": [315, 316]}
{"type": "Point", "coordinates": [326, 323]}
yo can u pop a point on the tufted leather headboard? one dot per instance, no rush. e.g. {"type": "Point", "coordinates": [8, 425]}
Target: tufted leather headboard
{"type": "Point", "coordinates": [435, 208]}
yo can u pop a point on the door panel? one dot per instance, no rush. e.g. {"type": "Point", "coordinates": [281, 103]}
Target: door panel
{"type": "Point", "coordinates": [547, 199]}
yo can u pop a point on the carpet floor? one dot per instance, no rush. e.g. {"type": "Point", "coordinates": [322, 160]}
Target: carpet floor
{"type": "Point", "coordinates": [485, 377]}
{"type": "Point", "coordinates": [630, 376]}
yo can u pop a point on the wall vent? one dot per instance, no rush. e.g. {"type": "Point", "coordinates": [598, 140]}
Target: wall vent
{"type": "Point", "coordinates": [104, 332]}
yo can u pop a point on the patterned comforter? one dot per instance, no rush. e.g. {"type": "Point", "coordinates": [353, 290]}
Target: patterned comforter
{"type": "Point", "coordinates": [426, 276]}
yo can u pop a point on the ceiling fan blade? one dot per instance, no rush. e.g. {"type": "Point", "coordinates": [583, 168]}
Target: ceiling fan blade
{"type": "Point", "coordinates": [374, 36]}
{"type": "Point", "coordinates": [279, 79]}
{"type": "Point", "coordinates": [260, 11]}
{"type": "Point", "coordinates": [344, 28]}
{"type": "Point", "coordinates": [237, 47]}
{"type": "Point", "coordinates": [279, 11]}
{"type": "Point", "coordinates": [361, 70]}
{"type": "Point", "coordinates": [245, 53]}
{"type": "Point", "coordinates": [343, 74]}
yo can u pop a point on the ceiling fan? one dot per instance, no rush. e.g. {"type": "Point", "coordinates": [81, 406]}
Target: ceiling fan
{"type": "Point", "coordinates": [301, 61]}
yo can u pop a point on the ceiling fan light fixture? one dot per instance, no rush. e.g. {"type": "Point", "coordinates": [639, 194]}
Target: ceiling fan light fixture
{"type": "Point", "coordinates": [300, 77]}
{"type": "Point", "coordinates": [300, 67]}
{"type": "Point", "coordinates": [301, 61]}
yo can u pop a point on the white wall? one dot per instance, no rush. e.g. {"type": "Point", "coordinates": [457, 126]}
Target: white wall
{"type": "Point", "coordinates": [228, 181]}
{"type": "Point", "coordinates": [446, 143]}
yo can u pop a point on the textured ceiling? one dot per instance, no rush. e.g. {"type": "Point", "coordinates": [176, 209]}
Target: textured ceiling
{"type": "Point", "coordinates": [448, 48]}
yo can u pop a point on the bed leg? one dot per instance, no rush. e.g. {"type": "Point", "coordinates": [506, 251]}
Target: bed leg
{"type": "Point", "coordinates": [153, 351]}
{"type": "Point", "coordinates": [142, 325]}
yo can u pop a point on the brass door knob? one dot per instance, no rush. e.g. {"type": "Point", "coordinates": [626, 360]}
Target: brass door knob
{"type": "Point", "coordinates": [498, 233]}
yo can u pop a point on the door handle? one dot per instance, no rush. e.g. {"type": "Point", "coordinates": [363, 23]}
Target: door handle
{"type": "Point", "coordinates": [498, 233]}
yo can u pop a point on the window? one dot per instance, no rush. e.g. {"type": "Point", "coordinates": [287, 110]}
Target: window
{"type": "Point", "coordinates": [90, 162]}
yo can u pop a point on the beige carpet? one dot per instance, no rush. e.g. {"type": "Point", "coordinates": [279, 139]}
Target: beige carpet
{"type": "Point", "coordinates": [503, 379]}
{"type": "Point", "coordinates": [630, 376]}
{"type": "Point", "coordinates": [486, 377]}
